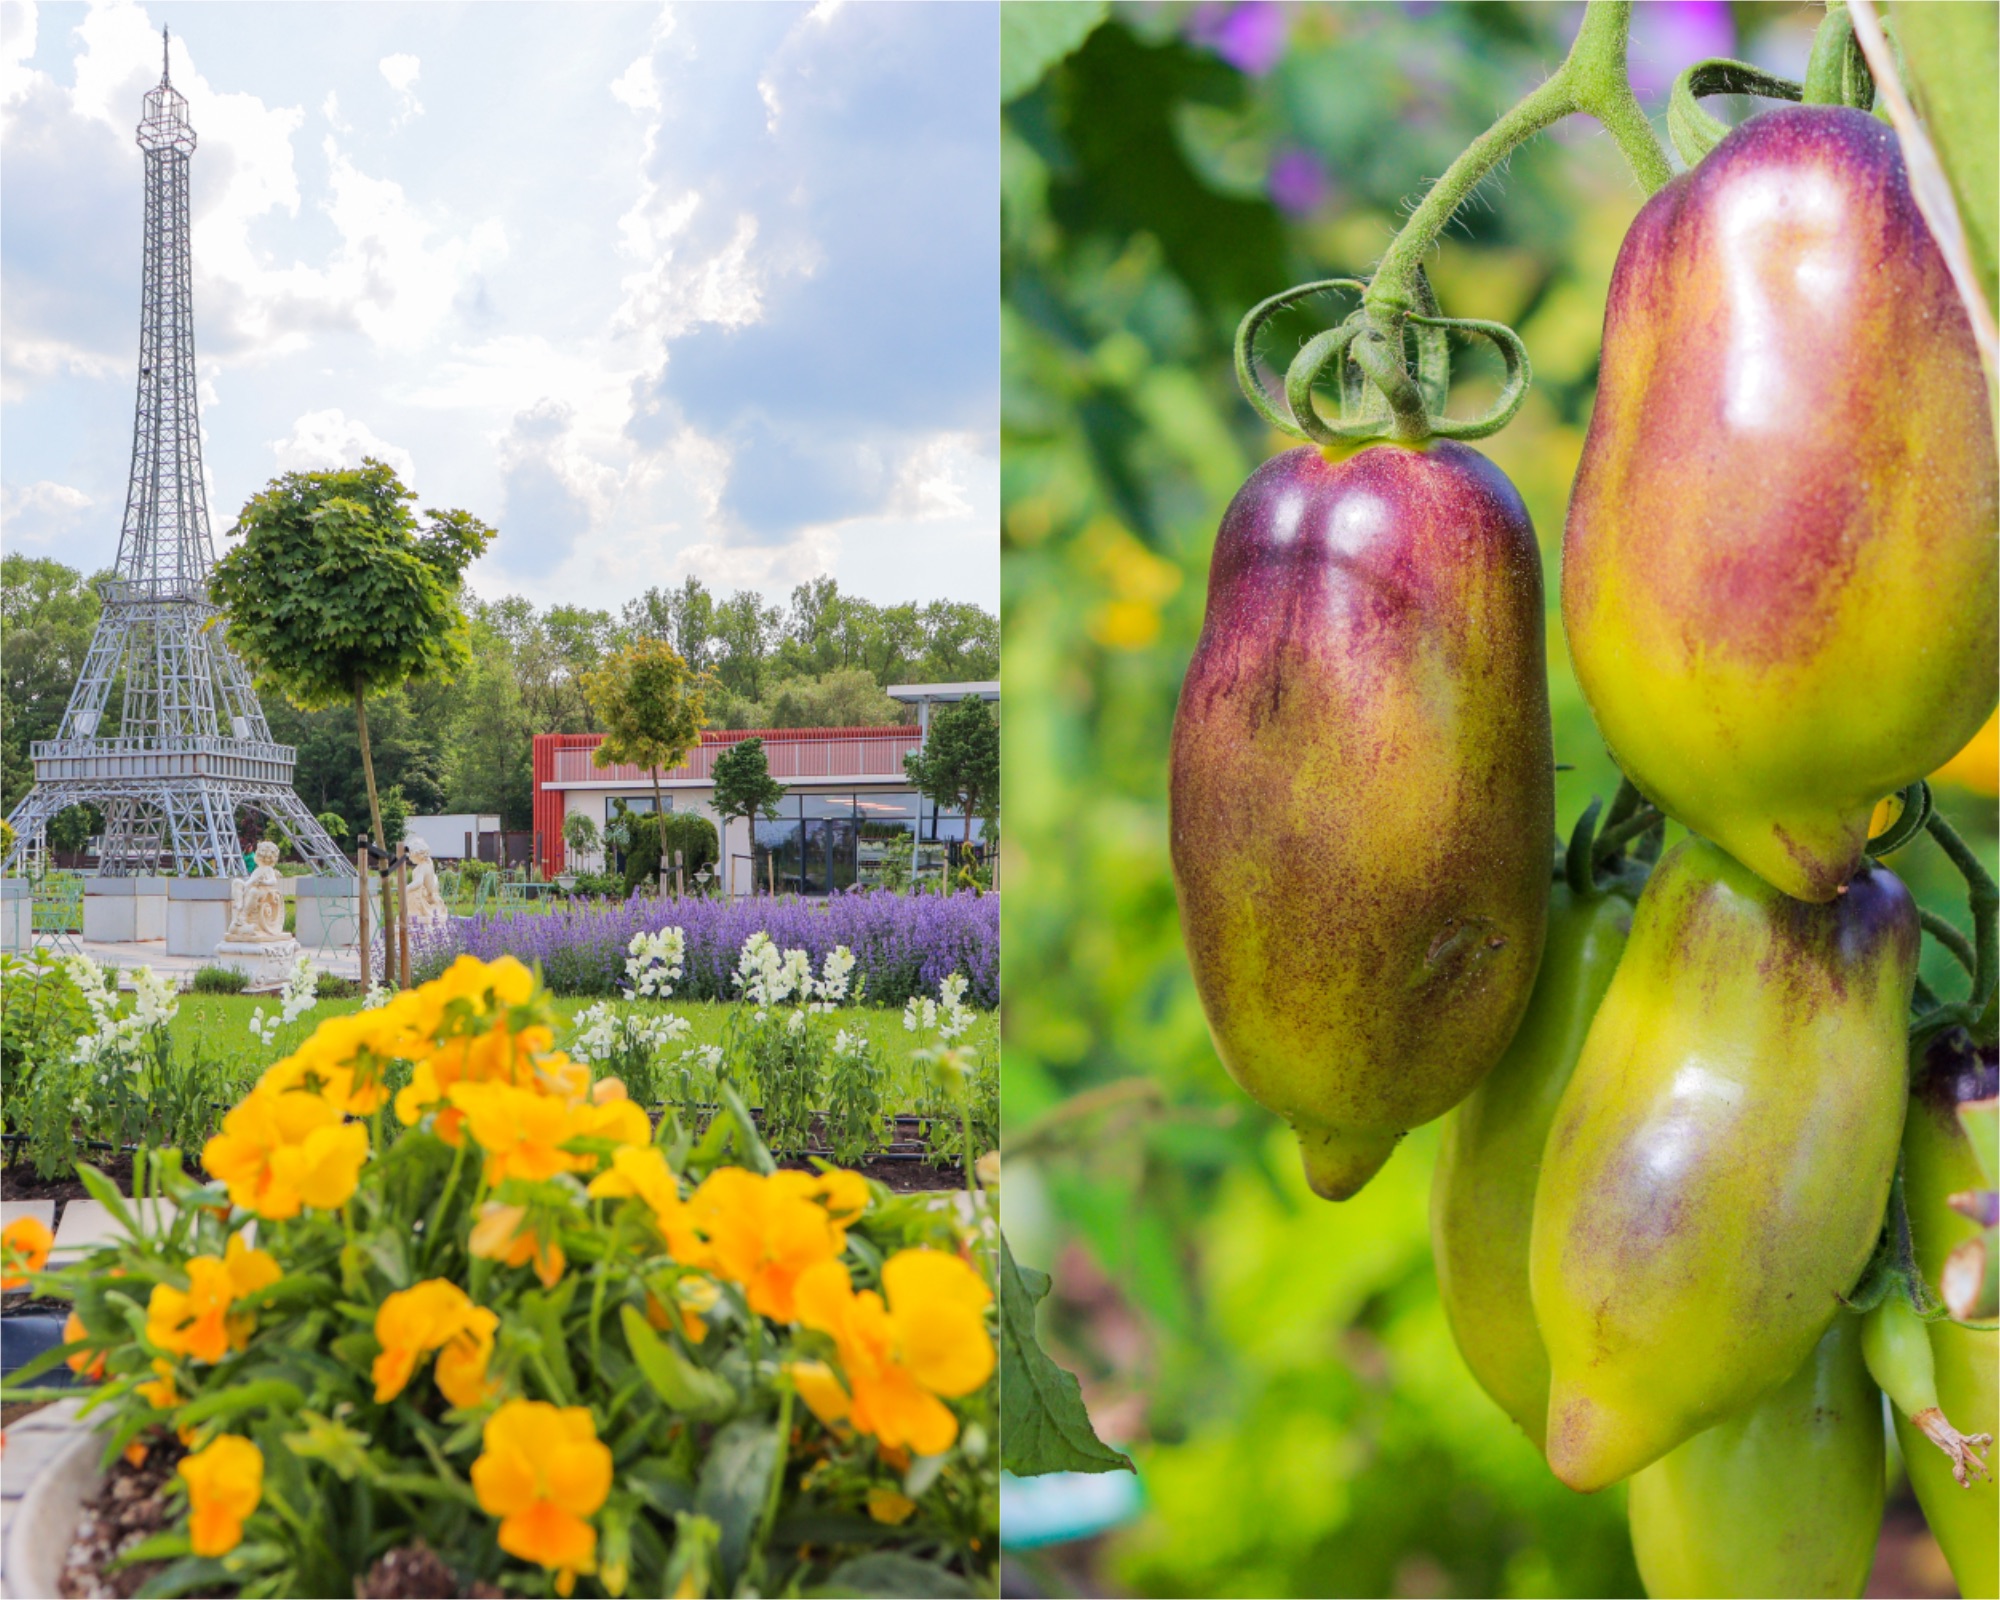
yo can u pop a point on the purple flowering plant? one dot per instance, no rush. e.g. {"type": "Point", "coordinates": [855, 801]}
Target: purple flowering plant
{"type": "Point", "coordinates": [904, 945]}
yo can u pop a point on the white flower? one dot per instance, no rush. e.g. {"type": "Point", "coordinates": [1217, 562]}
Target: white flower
{"type": "Point", "coordinates": [655, 962]}
{"type": "Point", "coordinates": [377, 998]}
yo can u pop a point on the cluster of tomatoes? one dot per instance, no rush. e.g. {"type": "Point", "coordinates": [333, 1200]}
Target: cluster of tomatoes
{"type": "Point", "coordinates": [1688, 1087]}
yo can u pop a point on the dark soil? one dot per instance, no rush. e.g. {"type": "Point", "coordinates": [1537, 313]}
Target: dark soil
{"type": "Point", "coordinates": [128, 1509]}
{"type": "Point", "coordinates": [19, 1181]}
{"type": "Point", "coordinates": [417, 1572]}
{"type": "Point", "coordinates": [899, 1176]}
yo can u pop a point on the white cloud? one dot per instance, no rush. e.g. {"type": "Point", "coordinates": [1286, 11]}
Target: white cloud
{"type": "Point", "coordinates": [17, 46]}
{"type": "Point", "coordinates": [401, 73]}
{"type": "Point", "coordinates": [638, 86]}
{"type": "Point", "coordinates": [934, 483]}
{"type": "Point", "coordinates": [40, 515]}
{"type": "Point", "coordinates": [325, 439]}
{"type": "Point", "coordinates": [330, 109]}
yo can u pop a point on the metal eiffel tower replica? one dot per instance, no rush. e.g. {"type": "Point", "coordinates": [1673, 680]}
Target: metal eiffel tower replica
{"type": "Point", "coordinates": [189, 747]}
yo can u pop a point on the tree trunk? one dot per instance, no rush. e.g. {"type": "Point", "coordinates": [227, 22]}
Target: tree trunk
{"type": "Point", "coordinates": [660, 836]}
{"type": "Point", "coordinates": [368, 765]}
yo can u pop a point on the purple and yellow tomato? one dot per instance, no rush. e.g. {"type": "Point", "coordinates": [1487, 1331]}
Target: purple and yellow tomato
{"type": "Point", "coordinates": [1362, 791]}
{"type": "Point", "coordinates": [1778, 565]}
{"type": "Point", "coordinates": [1716, 1173]}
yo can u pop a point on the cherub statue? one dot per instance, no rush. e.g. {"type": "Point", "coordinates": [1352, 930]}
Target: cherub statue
{"type": "Point", "coordinates": [426, 899]}
{"type": "Point", "coordinates": [257, 903]}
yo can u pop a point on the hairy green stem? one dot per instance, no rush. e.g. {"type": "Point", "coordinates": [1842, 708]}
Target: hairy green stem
{"type": "Point", "coordinates": [1614, 839]}
{"type": "Point", "coordinates": [1984, 897]}
{"type": "Point", "coordinates": [1592, 79]}
{"type": "Point", "coordinates": [1948, 935]}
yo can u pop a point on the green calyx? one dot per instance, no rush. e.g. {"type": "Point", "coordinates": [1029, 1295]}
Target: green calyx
{"type": "Point", "coordinates": [1390, 359]}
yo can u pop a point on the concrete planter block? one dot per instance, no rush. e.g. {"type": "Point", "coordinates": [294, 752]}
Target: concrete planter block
{"type": "Point", "coordinates": [54, 1456]}
{"type": "Point", "coordinates": [197, 915]}
{"type": "Point", "coordinates": [124, 910]}
{"type": "Point", "coordinates": [17, 914]}
{"type": "Point", "coordinates": [320, 901]}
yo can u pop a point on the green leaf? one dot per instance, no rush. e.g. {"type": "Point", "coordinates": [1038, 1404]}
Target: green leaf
{"type": "Point", "coordinates": [1951, 54]}
{"type": "Point", "coordinates": [273, 1394]}
{"type": "Point", "coordinates": [1043, 1424]}
{"type": "Point", "coordinates": [1034, 38]}
{"type": "Point", "coordinates": [691, 1390]}
{"type": "Point", "coordinates": [895, 1576]}
{"type": "Point", "coordinates": [734, 1480]}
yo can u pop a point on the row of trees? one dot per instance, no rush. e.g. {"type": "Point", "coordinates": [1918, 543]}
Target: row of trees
{"type": "Point", "coordinates": [348, 605]}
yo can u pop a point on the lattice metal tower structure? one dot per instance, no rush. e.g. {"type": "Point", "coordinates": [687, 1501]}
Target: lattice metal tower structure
{"type": "Point", "coordinates": [187, 746]}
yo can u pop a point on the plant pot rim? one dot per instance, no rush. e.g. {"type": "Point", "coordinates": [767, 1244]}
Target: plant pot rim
{"type": "Point", "coordinates": [42, 1524]}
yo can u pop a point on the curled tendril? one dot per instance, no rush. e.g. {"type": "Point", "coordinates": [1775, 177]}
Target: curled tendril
{"type": "Point", "coordinates": [1909, 823]}
{"type": "Point", "coordinates": [1246, 347]}
{"type": "Point", "coordinates": [1512, 391]}
{"type": "Point", "coordinates": [1692, 129]}
{"type": "Point", "coordinates": [1380, 396]}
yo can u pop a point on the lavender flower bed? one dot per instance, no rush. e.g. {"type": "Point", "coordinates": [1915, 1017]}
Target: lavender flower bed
{"type": "Point", "coordinates": [903, 944]}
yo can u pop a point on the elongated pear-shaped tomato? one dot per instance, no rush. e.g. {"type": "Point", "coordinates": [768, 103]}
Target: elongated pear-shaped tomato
{"type": "Point", "coordinates": [1784, 1498]}
{"type": "Point", "coordinates": [1938, 1162]}
{"type": "Point", "coordinates": [1362, 791]}
{"type": "Point", "coordinates": [1483, 1192]}
{"type": "Point", "coordinates": [1778, 565]}
{"type": "Point", "coordinates": [1716, 1173]}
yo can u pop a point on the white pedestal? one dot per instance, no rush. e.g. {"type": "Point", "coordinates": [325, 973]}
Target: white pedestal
{"type": "Point", "coordinates": [197, 915]}
{"type": "Point", "coordinates": [124, 910]}
{"type": "Point", "coordinates": [265, 966]}
{"type": "Point", "coordinates": [17, 915]}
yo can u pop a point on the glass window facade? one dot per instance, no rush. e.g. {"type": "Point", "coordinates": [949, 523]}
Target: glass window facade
{"type": "Point", "coordinates": [820, 843]}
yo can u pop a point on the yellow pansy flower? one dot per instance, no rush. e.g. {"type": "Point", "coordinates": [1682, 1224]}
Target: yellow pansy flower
{"type": "Point", "coordinates": [197, 1321]}
{"type": "Point", "coordinates": [642, 1172]}
{"type": "Point", "coordinates": [24, 1248]}
{"type": "Point", "coordinates": [433, 1315]}
{"type": "Point", "coordinates": [225, 1481]}
{"type": "Point", "coordinates": [500, 1235]}
{"type": "Point", "coordinates": [763, 1232]}
{"type": "Point", "coordinates": [927, 1339]}
{"type": "Point", "coordinates": [280, 1151]}
{"type": "Point", "coordinates": [543, 1472]}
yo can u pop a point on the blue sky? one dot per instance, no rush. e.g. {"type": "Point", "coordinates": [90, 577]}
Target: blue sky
{"type": "Point", "coordinates": [654, 290]}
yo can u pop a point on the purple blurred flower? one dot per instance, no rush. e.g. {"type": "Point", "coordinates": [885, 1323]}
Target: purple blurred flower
{"type": "Point", "coordinates": [1250, 35]}
{"type": "Point", "coordinates": [903, 944]}
{"type": "Point", "coordinates": [1669, 36]}
{"type": "Point", "coordinates": [1298, 182]}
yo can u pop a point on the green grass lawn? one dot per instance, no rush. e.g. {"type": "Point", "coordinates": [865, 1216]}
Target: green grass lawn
{"type": "Point", "coordinates": [219, 1024]}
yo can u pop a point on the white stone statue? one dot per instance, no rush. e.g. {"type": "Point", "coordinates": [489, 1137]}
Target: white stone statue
{"type": "Point", "coordinates": [426, 899]}
{"type": "Point", "coordinates": [257, 903]}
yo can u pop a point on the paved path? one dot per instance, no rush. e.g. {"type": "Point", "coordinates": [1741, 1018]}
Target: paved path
{"type": "Point", "coordinates": [153, 953]}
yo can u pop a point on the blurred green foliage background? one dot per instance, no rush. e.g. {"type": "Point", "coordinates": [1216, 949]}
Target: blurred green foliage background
{"type": "Point", "coordinates": [1280, 1368]}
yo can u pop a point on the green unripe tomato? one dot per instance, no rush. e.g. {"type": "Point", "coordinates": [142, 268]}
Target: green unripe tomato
{"type": "Point", "coordinates": [1717, 1170]}
{"type": "Point", "coordinates": [1483, 1194]}
{"type": "Point", "coordinates": [1784, 1498]}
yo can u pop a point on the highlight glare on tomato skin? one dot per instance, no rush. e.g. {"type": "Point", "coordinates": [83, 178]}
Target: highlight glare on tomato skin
{"type": "Point", "coordinates": [1778, 564]}
{"type": "Point", "coordinates": [1362, 792]}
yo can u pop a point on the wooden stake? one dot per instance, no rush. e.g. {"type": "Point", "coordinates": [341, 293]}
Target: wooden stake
{"type": "Point", "coordinates": [403, 913]}
{"type": "Point", "coordinates": [361, 878]}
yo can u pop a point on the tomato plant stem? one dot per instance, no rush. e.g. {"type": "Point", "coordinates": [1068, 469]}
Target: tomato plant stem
{"type": "Point", "coordinates": [1592, 79]}
{"type": "Point", "coordinates": [1984, 897]}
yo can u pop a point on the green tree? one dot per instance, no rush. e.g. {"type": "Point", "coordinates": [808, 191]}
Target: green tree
{"type": "Point", "coordinates": [745, 788]}
{"type": "Point", "coordinates": [961, 643]}
{"type": "Point", "coordinates": [335, 591]}
{"type": "Point", "coordinates": [650, 703]}
{"type": "Point", "coordinates": [47, 615]}
{"type": "Point", "coordinates": [959, 765]}
{"type": "Point", "coordinates": [745, 631]}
